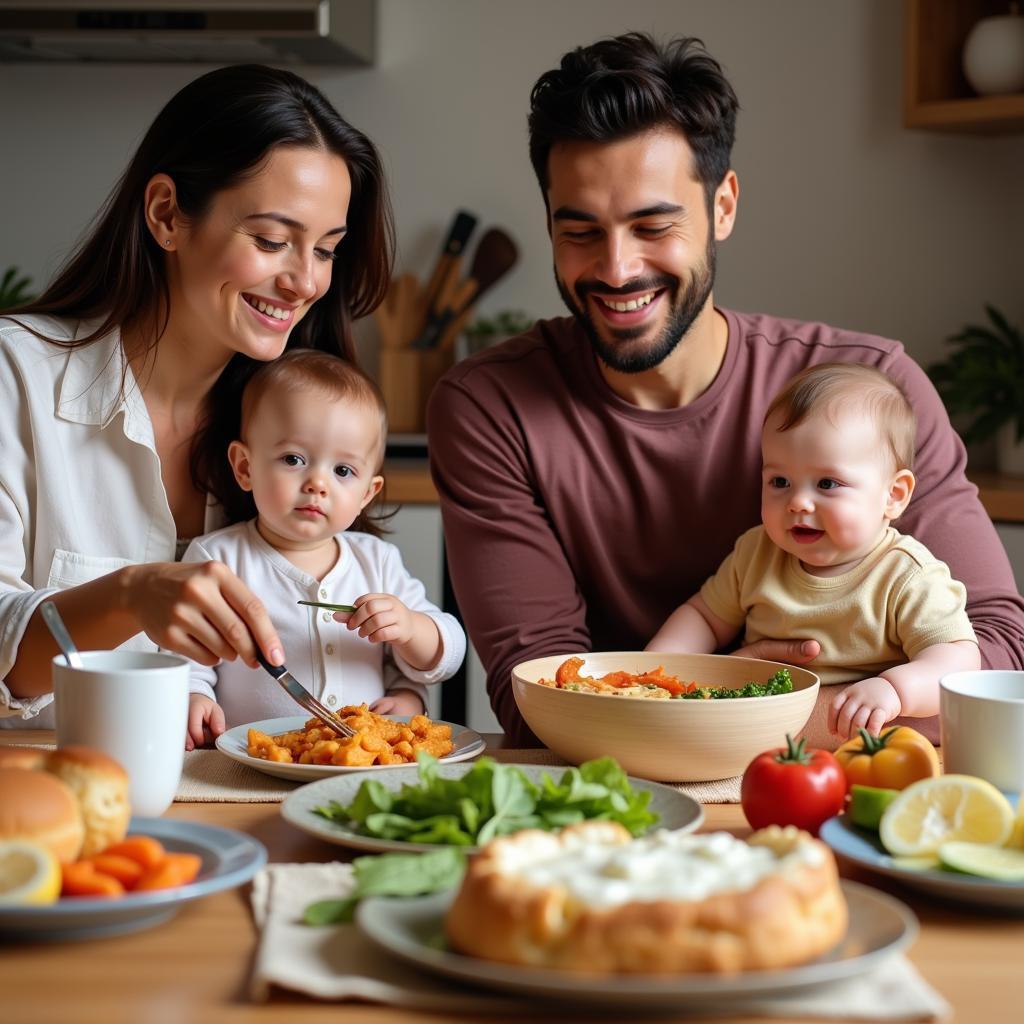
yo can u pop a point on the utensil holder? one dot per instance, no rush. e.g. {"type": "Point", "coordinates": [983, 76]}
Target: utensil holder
{"type": "Point", "coordinates": [406, 377]}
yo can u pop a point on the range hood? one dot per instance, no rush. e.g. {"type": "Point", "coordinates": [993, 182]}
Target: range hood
{"type": "Point", "coordinates": [166, 31]}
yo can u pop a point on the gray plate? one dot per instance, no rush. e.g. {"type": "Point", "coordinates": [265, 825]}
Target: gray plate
{"type": "Point", "coordinates": [677, 810]}
{"type": "Point", "coordinates": [412, 929]}
{"type": "Point", "coordinates": [229, 859]}
{"type": "Point", "coordinates": [234, 744]}
{"type": "Point", "coordinates": [864, 848]}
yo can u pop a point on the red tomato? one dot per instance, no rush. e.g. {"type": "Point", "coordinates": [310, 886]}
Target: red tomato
{"type": "Point", "coordinates": [793, 786]}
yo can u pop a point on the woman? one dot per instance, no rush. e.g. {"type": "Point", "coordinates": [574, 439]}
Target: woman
{"type": "Point", "coordinates": [252, 218]}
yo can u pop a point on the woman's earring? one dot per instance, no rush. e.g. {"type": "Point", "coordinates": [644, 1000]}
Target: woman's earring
{"type": "Point", "coordinates": [167, 241]}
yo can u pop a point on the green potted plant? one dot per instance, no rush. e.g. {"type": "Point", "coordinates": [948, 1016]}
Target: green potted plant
{"type": "Point", "coordinates": [984, 379]}
{"type": "Point", "coordinates": [486, 331]}
{"type": "Point", "coordinates": [13, 289]}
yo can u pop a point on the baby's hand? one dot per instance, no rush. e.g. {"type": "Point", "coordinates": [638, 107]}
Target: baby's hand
{"type": "Point", "coordinates": [205, 721]}
{"type": "Point", "coordinates": [401, 702]}
{"type": "Point", "coordinates": [868, 704]}
{"type": "Point", "coordinates": [380, 618]}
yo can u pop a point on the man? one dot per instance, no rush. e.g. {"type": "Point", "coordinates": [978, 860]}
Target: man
{"type": "Point", "coordinates": [596, 470]}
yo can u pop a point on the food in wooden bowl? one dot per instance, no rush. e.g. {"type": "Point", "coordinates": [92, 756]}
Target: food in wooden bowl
{"type": "Point", "coordinates": [592, 899]}
{"type": "Point", "coordinates": [673, 738]}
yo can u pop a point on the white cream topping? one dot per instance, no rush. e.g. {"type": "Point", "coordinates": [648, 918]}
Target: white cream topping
{"type": "Point", "coordinates": [630, 304]}
{"type": "Point", "coordinates": [662, 866]}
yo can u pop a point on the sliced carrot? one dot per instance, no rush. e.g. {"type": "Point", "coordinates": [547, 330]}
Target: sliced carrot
{"type": "Point", "coordinates": [124, 869]}
{"type": "Point", "coordinates": [175, 869]}
{"type": "Point", "coordinates": [82, 879]}
{"type": "Point", "coordinates": [144, 850]}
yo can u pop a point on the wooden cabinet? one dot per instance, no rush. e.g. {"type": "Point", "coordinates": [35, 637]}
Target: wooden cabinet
{"type": "Point", "coordinates": [936, 94]}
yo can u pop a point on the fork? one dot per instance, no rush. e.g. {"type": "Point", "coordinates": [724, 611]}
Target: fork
{"type": "Point", "coordinates": [303, 697]}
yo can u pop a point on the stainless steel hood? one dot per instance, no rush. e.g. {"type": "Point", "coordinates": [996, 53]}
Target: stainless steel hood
{"type": "Point", "coordinates": [172, 31]}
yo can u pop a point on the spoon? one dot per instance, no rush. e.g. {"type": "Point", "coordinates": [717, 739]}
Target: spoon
{"type": "Point", "coordinates": [55, 624]}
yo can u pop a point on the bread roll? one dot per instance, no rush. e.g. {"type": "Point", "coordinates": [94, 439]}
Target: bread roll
{"type": "Point", "coordinates": [22, 757]}
{"type": "Point", "coordinates": [100, 786]}
{"type": "Point", "coordinates": [39, 808]}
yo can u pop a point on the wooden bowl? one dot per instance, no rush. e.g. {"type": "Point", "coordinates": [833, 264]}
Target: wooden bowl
{"type": "Point", "coordinates": [665, 740]}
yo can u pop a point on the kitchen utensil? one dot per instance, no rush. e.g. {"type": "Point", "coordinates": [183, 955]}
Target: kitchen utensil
{"type": "Point", "coordinates": [330, 607]}
{"type": "Point", "coordinates": [458, 235]}
{"type": "Point", "coordinates": [303, 697]}
{"type": "Point", "coordinates": [494, 257]}
{"type": "Point", "coordinates": [59, 632]}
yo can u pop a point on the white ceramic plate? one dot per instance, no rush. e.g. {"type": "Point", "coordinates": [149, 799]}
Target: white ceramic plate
{"type": "Point", "coordinates": [234, 743]}
{"type": "Point", "coordinates": [229, 859]}
{"type": "Point", "coordinates": [677, 810]}
{"type": "Point", "coordinates": [412, 929]}
{"type": "Point", "coordinates": [865, 849]}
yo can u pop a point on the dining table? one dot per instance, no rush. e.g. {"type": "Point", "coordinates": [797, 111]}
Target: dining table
{"type": "Point", "coordinates": [196, 967]}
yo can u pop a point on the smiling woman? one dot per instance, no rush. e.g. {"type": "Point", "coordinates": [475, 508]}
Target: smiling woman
{"type": "Point", "coordinates": [252, 218]}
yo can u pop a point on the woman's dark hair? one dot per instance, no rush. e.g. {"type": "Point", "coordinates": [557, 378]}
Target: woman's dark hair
{"type": "Point", "coordinates": [627, 84]}
{"type": "Point", "coordinates": [212, 135]}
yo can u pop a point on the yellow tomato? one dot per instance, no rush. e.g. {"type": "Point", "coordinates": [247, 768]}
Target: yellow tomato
{"type": "Point", "coordinates": [893, 760]}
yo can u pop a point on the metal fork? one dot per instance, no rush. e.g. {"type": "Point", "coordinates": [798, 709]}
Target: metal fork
{"type": "Point", "coordinates": [303, 697]}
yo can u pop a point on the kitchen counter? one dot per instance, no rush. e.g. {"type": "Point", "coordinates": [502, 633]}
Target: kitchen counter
{"type": "Point", "coordinates": [407, 482]}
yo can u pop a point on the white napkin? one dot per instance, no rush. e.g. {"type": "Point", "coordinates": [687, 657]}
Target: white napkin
{"type": "Point", "coordinates": [338, 962]}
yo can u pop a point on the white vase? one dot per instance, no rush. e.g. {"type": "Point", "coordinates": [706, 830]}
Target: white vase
{"type": "Point", "coordinates": [1009, 451]}
{"type": "Point", "coordinates": [994, 54]}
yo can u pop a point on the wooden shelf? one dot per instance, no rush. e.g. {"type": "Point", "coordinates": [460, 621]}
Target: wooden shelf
{"type": "Point", "coordinates": [1002, 496]}
{"type": "Point", "coordinates": [408, 482]}
{"type": "Point", "coordinates": [936, 94]}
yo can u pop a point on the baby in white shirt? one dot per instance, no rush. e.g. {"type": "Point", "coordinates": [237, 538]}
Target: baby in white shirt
{"type": "Point", "coordinates": [312, 442]}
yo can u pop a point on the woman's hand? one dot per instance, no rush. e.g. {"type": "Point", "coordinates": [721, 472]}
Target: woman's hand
{"type": "Point", "coordinates": [201, 610]}
{"type": "Point", "coordinates": [790, 652]}
{"type": "Point", "coordinates": [205, 721]}
{"type": "Point", "coordinates": [401, 702]}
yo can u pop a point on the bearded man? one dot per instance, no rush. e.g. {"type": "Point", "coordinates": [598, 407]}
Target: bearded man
{"type": "Point", "coordinates": [596, 470]}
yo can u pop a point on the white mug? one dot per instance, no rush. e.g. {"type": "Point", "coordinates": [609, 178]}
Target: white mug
{"type": "Point", "coordinates": [981, 717]}
{"type": "Point", "coordinates": [133, 706]}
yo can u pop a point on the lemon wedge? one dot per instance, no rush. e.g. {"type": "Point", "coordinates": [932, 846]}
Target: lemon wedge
{"type": "Point", "coordinates": [29, 874]}
{"type": "Point", "coordinates": [996, 862]}
{"type": "Point", "coordinates": [939, 810]}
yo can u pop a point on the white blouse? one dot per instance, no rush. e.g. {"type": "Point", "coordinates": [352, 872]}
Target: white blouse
{"type": "Point", "coordinates": [80, 488]}
{"type": "Point", "coordinates": [336, 664]}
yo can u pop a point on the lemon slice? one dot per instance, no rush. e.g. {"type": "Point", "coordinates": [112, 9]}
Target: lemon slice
{"type": "Point", "coordinates": [1016, 839]}
{"type": "Point", "coordinates": [925, 863]}
{"type": "Point", "coordinates": [29, 874]}
{"type": "Point", "coordinates": [934, 811]}
{"type": "Point", "coordinates": [996, 862]}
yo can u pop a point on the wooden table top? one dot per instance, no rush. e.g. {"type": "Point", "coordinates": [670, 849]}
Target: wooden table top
{"type": "Point", "coordinates": [196, 966]}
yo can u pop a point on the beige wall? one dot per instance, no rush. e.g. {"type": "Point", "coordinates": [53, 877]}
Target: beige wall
{"type": "Point", "coordinates": [845, 216]}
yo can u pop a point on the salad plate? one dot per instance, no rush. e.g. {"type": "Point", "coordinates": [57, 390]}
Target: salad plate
{"type": "Point", "coordinates": [676, 810]}
{"type": "Point", "coordinates": [864, 848]}
{"type": "Point", "coordinates": [234, 743]}
{"type": "Point", "coordinates": [229, 858]}
{"type": "Point", "coordinates": [413, 931]}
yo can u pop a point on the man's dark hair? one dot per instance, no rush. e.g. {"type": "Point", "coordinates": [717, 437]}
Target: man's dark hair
{"type": "Point", "coordinates": [628, 84]}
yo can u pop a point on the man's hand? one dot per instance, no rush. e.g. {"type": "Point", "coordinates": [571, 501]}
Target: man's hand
{"type": "Point", "coordinates": [868, 704]}
{"type": "Point", "coordinates": [791, 652]}
{"type": "Point", "coordinates": [401, 702]}
{"type": "Point", "coordinates": [205, 721]}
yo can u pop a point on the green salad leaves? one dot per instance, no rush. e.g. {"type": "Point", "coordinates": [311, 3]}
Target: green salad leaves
{"type": "Point", "coordinates": [781, 682]}
{"type": "Point", "coordinates": [491, 800]}
{"type": "Point", "coordinates": [391, 874]}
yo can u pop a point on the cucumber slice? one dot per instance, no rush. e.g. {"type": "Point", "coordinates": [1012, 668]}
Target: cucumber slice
{"type": "Point", "coordinates": [868, 803]}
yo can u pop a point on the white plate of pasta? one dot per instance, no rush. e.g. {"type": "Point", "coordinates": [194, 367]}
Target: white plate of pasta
{"type": "Point", "coordinates": [234, 743]}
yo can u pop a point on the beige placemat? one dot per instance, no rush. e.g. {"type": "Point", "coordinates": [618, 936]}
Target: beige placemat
{"type": "Point", "coordinates": [210, 777]}
{"type": "Point", "coordinates": [717, 791]}
{"type": "Point", "coordinates": [337, 963]}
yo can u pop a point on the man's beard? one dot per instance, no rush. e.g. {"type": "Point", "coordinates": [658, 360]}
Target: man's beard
{"type": "Point", "coordinates": [686, 302]}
